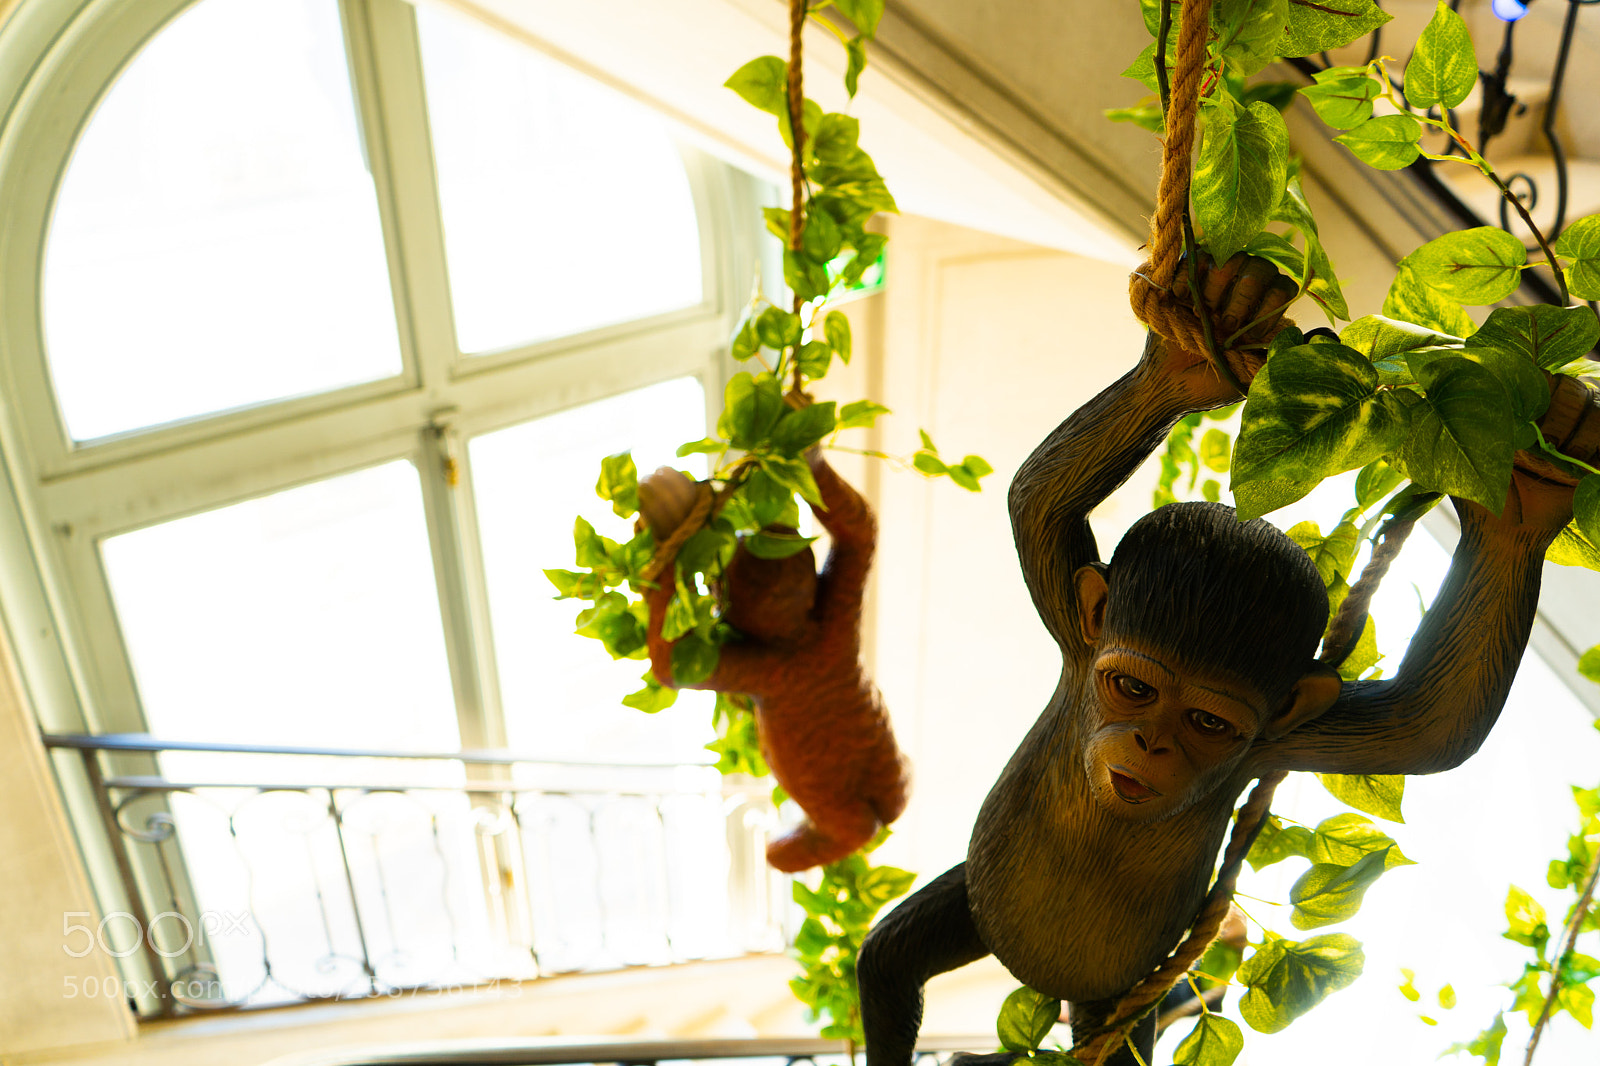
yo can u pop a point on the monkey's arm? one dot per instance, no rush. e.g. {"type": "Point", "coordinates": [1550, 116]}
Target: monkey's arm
{"type": "Point", "coordinates": [1080, 464]}
{"type": "Point", "coordinates": [741, 667]}
{"type": "Point", "coordinates": [853, 532]}
{"type": "Point", "coordinates": [1454, 679]}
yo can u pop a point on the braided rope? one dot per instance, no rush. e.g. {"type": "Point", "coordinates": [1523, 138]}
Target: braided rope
{"type": "Point", "coordinates": [692, 523]}
{"type": "Point", "coordinates": [1144, 996]}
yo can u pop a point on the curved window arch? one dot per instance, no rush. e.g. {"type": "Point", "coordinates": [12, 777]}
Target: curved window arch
{"type": "Point", "coordinates": [248, 350]}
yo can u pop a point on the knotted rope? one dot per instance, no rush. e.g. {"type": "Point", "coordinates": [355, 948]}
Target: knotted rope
{"type": "Point", "coordinates": [1145, 995]}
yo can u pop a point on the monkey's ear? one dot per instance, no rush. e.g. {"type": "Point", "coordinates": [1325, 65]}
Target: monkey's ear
{"type": "Point", "coordinates": [1090, 582]}
{"type": "Point", "coordinates": [1310, 698]}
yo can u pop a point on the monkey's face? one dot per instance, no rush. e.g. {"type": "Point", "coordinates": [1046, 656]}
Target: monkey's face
{"type": "Point", "coordinates": [1160, 735]}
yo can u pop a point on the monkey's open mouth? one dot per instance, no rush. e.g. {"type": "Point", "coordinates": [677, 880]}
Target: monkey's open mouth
{"type": "Point", "coordinates": [1131, 790]}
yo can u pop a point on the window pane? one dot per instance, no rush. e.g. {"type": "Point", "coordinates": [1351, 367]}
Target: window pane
{"type": "Point", "coordinates": [565, 204]}
{"type": "Point", "coordinates": [308, 617]}
{"type": "Point", "coordinates": [561, 691]}
{"type": "Point", "coordinates": [216, 242]}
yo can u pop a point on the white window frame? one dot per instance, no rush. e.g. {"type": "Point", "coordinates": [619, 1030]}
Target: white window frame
{"type": "Point", "coordinates": [59, 500]}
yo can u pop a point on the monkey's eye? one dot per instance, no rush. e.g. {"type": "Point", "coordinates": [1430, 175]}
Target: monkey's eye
{"type": "Point", "coordinates": [1133, 688]}
{"type": "Point", "coordinates": [1209, 724]}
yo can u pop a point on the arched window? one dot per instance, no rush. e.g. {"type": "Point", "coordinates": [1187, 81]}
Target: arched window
{"type": "Point", "coordinates": [318, 316]}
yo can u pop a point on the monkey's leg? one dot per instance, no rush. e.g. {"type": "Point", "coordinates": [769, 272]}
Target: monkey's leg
{"type": "Point", "coordinates": [827, 835]}
{"type": "Point", "coordinates": [930, 933]}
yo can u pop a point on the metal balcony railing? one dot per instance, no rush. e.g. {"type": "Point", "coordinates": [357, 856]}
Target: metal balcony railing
{"type": "Point", "coordinates": [356, 873]}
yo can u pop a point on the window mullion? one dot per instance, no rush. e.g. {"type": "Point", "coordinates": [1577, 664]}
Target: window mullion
{"type": "Point", "coordinates": [386, 73]}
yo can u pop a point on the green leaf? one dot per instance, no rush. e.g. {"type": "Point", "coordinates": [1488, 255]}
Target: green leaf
{"type": "Point", "coordinates": [572, 585]}
{"type": "Point", "coordinates": [1248, 32]}
{"type": "Point", "coordinates": [1472, 266]}
{"type": "Point", "coordinates": [1278, 251]}
{"type": "Point", "coordinates": [1550, 336]}
{"type": "Point", "coordinates": [820, 239]}
{"type": "Point", "coordinates": [1286, 979]}
{"type": "Point", "coordinates": [1314, 411]}
{"type": "Point", "coordinates": [1342, 96]}
{"type": "Point", "coordinates": [752, 407]}
{"type": "Point", "coordinates": [652, 698]}
{"type": "Point", "coordinates": [1443, 67]}
{"type": "Point", "coordinates": [1240, 174]}
{"type": "Point", "coordinates": [1026, 1018]}
{"type": "Point", "coordinates": [764, 84]}
{"type": "Point", "coordinates": [1145, 115]}
{"type": "Point", "coordinates": [814, 358]}
{"type": "Point", "coordinates": [1526, 919]}
{"type": "Point", "coordinates": [1572, 548]}
{"type": "Point", "coordinates": [1277, 842]}
{"type": "Point", "coordinates": [1143, 68]}
{"type": "Point", "coordinates": [836, 138]}
{"type": "Point", "coordinates": [777, 328]}
{"type": "Point", "coordinates": [1322, 25]}
{"type": "Point", "coordinates": [1586, 508]}
{"type": "Point", "coordinates": [800, 428]}
{"type": "Point", "coordinates": [1580, 244]}
{"type": "Point", "coordinates": [777, 223]}
{"type": "Point", "coordinates": [1345, 839]}
{"type": "Point", "coordinates": [1411, 299]}
{"type": "Point", "coordinates": [929, 464]}
{"type": "Point", "coordinates": [1461, 436]}
{"type": "Point", "coordinates": [794, 474]}
{"type": "Point", "coordinates": [693, 660]}
{"type": "Point", "coordinates": [1447, 997]}
{"type": "Point", "coordinates": [1214, 1041]}
{"type": "Point", "coordinates": [767, 498]}
{"type": "Point", "coordinates": [1376, 480]}
{"type": "Point", "coordinates": [619, 483]}
{"type": "Point", "coordinates": [1378, 794]}
{"type": "Point", "coordinates": [1329, 892]}
{"type": "Point", "coordinates": [1333, 554]}
{"type": "Point", "coordinates": [856, 52]}
{"type": "Point", "coordinates": [1486, 1045]}
{"type": "Point", "coordinates": [836, 330]}
{"type": "Point", "coordinates": [1388, 142]}
{"type": "Point", "coordinates": [861, 414]}
{"type": "Point", "coordinates": [864, 14]}
{"type": "Point", "coordinates": [773, 545]}
{"type": "Point", "coordinates": [1578, 1001]}
{"type": "Point", "coordinates": [1386, 342]}
{"type": "Point", "coordinates": [746, 343]}
{"type": "Point", "coordinates": [1256, 498]}
{"type": "Point", "coordinates": [1521, 378]}
{"type": "Point", "coordinates": [806, 277]}
{"type": "Point", "coordinates": [1319, 281]}
{"type": "Point", "coordinates": [1589, 664]}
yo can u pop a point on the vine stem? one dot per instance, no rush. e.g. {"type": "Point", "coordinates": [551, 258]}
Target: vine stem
{"type": "Point", "coordinates": [1574, 927]}
{"type": "Point", "coordinates": [1547, 446]}
{"type": "Point", "coordinates": [797, 134]}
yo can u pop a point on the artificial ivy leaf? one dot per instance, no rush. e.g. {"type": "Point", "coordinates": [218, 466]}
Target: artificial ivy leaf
{"type": "Point", "coordinates": [1346, 839]}
{"type": "Point", "coordinates": [836, 138]}
{"type": "Point", "coordinates": [1376, 480]}
{"type": "Point", "coordinates": [619, 483]}
{"type": "Point", "coordinates": [591, 548]}
{"type": "Point", "coordinates": [1146, 115]}
{"type": "Point", "coordinates": [1472, 266]}
{"type": "Point", "coordinates": [1411, 299]}
{"type": "Point", "coordinates": [1246, 33]}
{"type": "Point", "coordinates": [770, 503]}
{"type": "Point", "coordinates": [813, 359]}
{"type": "Point", "coordinates": [864, 14]}
{"type": "Point", "coordinates": [764, 83]}
{"type": "Point", "coordinates": [1214, 1041]}
{"type": "Point", "coordinates": [1589, 667]}
{"type": "Point", "coordinates": [768, 544]}
{"type": "Point", "coordinates": [1580, 243]}
{"type": "Point", "coordinates": [1286, 979]}
{"type": "Point", "coordinates": [1342, 96]}
{"type": "Point", "coordinates": [1333, 554]}
{"type": "Point", "coordinates": [1578, 1001]}
{"type": "Point", "coordinates": [1314, 411]}
{"type": "Point", "coordinates": [820, 240]}
{"type": "Point", "coordinates": [1378, 794]}
{"type": "Point", "coordinates": [573, 585]}
{"type": "Point", "coordinates": [706, 445]}
{"type": "Point", "coordinates": [1277, 842]}
{"type": "Point", "coordinates": [793, 474]}
{"type": "Point", "coordinates": [777, 328]}
{"type": "Point", "coordinates": [1280, 253]}
{"type": "Point", "coordinates": [693, 659]}
{"type": "Point", "coordinates": [1240, 174]}
{"type": "Point", "coordinates": [1526, 920]}
{"type": "Point", "coordinates": [652, 698]}
{"type": "Point", "coordinates": [703, 550]}
{"type": "Point", "coordinates": [1388, 142]}
{"type": "Point", "coordinates": [1443, 67]}
{"type": "Point", "coordinates": [1216, 450]}
{"type": "Point", "coordinates": [1381, 339]}
{"type": "Point", "coordinates": [1486, 1045]}
{"type": "Point", "coordinates": [1321, 25]}
{"type": "Point", "coordinates": [746, 343]}
{"type": "Point", "coordinates": [800, 429]}
{"type": "Point", "coordinates": [1586, 508]}
{"type": "Point", "coordinates": [810, 117]}
{"type": "Point", "coordinates": [861, 414]}
{"type": "Point", "coordinates": [836, 330]}
{"type": "Point", "coordinates": [856, 62]}
{"type": "Point", "coordinates": [1280, 94]}
{"type": "Point", "coordinates": [1461, 439]}
{"type": "Point", "coordinates": [884, 883]}
{"type": "Point", "coordinates": [1572, 548]}
{"type": "Point", "coordinates": [1363, 655]}
{"type": "Point", "coordinates": [806, 277]}
{"type": "Point", "coordinates": [777, 220]}
{"type": "Point", "coordinates": [1319, 280]}
{"type": "Point", "coordinates": [1550, 336]}
{"type": "Point", "coordinates": [1026, 1018]}
{"type": "Point", "coordinates": [752, 406]}
{"type": "Point", "coordinates": [1253, 499]}
{"type": "Point", "coordinates": [1447, 997]}
{"type": "Point", "coordinates": [1522, 379]}
{"type": "Point", "coordinates": [1143, 69]}
{"type": "Point", "coordinates": [968, 471]}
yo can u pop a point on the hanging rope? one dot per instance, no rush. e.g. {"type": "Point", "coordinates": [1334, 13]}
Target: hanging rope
{"type": "Point", "coordinates": [1144, 996]}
